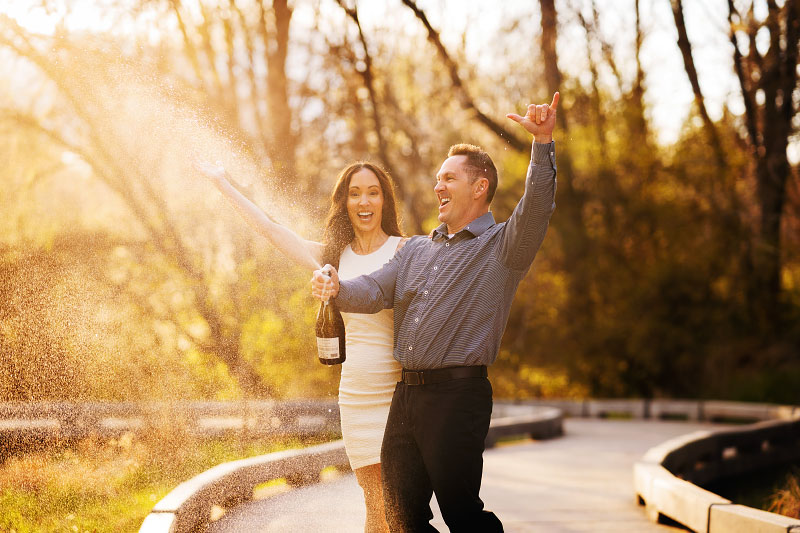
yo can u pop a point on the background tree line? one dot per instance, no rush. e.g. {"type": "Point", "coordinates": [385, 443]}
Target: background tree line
{"type": "Point", "coordinates": [669, 270]}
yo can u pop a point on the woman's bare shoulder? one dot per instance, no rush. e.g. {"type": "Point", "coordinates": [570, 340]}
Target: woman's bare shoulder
{"type": "Point", "coordinates": [413, 239]}
{"type": "Point", "coordinates": [402, 243]}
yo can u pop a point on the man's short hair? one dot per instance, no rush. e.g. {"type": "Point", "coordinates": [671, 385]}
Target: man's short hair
{"type": "Point", "coordinates": [479, 165]}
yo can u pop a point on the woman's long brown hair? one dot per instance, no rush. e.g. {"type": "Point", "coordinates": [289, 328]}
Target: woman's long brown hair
{"type": "Point", "coordinates": [338, 228]}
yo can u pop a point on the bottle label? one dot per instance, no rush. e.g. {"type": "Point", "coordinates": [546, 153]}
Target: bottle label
{"type": "Point", "coordinates": [328, 348]}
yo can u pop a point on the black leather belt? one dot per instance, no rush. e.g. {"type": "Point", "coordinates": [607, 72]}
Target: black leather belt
{"type": "Point", "coordinates": [438, 375]}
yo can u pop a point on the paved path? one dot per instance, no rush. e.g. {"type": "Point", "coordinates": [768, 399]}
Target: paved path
{"type": "Point", "coordinates": [580, 482]}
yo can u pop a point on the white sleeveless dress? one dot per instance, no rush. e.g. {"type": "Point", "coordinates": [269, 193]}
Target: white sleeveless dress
{"type": "Point", "coordinates": [370, 371]}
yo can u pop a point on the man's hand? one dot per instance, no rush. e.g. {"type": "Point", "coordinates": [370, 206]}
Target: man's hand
{"type": "Point", "coordinates": [325, 283]}
{"type": "Point", "coordinates": [540, 120]}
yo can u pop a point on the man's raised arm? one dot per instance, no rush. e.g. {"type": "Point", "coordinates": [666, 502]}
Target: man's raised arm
{"type": "Point", "coordinates": [526, 228]}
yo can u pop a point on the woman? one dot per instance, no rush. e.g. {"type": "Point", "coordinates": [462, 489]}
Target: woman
{"type": "Point", "coordinates": [362, 232]}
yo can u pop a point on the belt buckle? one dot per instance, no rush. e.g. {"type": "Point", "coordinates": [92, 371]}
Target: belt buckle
{"type": "Point", "coordinates": [412, 378]}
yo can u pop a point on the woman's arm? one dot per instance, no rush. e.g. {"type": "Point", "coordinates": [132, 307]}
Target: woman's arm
{"type": "Point", "coordinates": [303, 252]}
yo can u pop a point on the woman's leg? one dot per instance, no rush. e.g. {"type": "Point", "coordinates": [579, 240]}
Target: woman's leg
{"type": "Point", "coordinates": [369, 477]}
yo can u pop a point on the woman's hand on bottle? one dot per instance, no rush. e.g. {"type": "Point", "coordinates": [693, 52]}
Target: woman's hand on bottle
{"type": "Point", "coordinates": [325, 283]}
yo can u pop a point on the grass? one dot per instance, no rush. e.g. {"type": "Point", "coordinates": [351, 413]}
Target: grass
{"type": "Point", "coordinates": [773, 489]}
{"type": "Point", "coordinates": [786, 500]}
{"type": "Point", "coordinates": [108, 486]}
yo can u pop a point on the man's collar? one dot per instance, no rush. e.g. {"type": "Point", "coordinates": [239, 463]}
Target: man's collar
{"type": "Point", "coordinates": [476, 227]}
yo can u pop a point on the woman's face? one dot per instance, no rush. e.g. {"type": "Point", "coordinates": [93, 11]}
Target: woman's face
{"type": "Point", "coordinates": [365, 201]}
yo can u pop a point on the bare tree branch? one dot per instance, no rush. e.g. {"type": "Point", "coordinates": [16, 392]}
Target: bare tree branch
{"type": "Point", "coordinates": [187, 41]}
{"type": "Point", "coordinates": [748, 96]}
{"type": "Point", "coordinates": [119, 171]}
{"type": "Point", "coordinates": [589, 29]}
{"type": "Point", "coordinates": [251, 73]}
{"type": "Point", "coordinates": [467, 102]}
{"type": "Point", "coordinates": [607, 49]}
{"type": "Point", "coordinates": [368, 78]}
{"type": "Point", "coordinates": [688, 62]}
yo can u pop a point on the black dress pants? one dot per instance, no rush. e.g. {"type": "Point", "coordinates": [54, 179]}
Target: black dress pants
{"type": "Point", "coordinates": [433, 443]}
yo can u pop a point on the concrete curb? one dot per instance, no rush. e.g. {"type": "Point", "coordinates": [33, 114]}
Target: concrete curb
{"type": "Point", "coordinates": [510, 420]}
{"type": "Point", "coordinates": [665, 478]}
{"type": "Point", "coordinates": [191, 504]}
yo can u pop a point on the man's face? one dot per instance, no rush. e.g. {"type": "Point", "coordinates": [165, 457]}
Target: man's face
{"type": "Point", "coordinates": [456, 193]}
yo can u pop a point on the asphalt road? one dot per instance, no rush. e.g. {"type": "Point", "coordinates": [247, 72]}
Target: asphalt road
{"type": "Point", "coordinates": [580, 482]}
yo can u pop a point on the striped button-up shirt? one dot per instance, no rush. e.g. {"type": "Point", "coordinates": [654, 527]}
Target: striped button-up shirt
{"type": "Point", "coordinates": [452, 295]}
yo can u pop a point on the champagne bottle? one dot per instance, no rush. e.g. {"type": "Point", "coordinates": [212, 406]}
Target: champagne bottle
{"type": "Point", "coordinates": [330, 334]}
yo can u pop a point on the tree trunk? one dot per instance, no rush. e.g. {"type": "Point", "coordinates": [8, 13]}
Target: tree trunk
{"type": "Point", "coordinates": [552, 74]}
{"type": "Point", "coordinates": [569, 217]}
{"type": "Point", "coordinates": [282, 145]}
{"type": "Point", "coordinates": [770, 78]}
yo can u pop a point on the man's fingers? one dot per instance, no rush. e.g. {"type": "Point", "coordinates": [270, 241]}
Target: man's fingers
{"type": "Point", "coordinates": [541, 113]}
{"type": "Point", "coordinates": [537, 113]}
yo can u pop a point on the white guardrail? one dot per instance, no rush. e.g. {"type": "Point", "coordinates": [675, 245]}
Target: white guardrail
{"type": "Point", "coordinates": [665, 478]}
{"type": "Point", "coordinates": [37, 425]}
{"type": "Point", "coordinates": [192, 504]}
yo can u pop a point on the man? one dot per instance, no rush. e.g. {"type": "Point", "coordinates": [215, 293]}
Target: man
{"type": "Point", "coordinates": [451, 296]}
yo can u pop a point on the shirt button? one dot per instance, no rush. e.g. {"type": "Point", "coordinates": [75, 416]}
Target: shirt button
{"type": "Point", "coordinates": [436, 268]}
{"type": "Point", "coordinates": [410, 347]}
{"type": "Point", "coordinates": [447, 244]}
{"type": "Point", "coordinates": [425, 292]}
{"type": "Point", "coordinates": [416, 319]}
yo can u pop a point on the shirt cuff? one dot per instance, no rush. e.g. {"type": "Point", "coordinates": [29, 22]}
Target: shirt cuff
{"type": "Point", "coordinates": [544, 153]}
